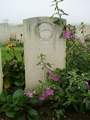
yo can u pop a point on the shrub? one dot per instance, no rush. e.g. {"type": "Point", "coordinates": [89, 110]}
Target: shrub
{"type": "Point", "coordinates": [13, 69]}
{"type": "Point", "coordinates": [71, 85]}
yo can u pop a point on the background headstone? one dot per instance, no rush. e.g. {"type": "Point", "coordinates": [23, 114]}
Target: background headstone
{"type": "Point", "coordinates": [42, 36]}
{"type": "Point", "coordinates": [1, 75]}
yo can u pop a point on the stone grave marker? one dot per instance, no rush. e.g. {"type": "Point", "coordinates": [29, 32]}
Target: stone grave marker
{"type": "Point", "coordinates": [42, 36]}
{"type": "Point", "coordinates": [1, 75]}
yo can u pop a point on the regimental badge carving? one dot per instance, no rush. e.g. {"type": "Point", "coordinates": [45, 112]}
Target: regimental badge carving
{"type": "Point", "coordinates": [45, 31]}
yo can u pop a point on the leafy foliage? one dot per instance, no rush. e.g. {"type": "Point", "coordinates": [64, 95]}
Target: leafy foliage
{"type": "Point", "coordinates": [13, 69]}
{"type": "Point", "coordinates": [17, 106]}
{"type": "Point", "coordinates": [63, 90]}
{"type": "Point", "coordinates": [77, 57]}
{"type": "Point", "coordinates": [71, 91]}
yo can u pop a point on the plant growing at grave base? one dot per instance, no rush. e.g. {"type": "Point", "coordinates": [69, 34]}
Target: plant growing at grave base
{"type": "Point", "coordinates": [71, 85]}
{"type": "Point", "coordinates": [13, 69]}
{"type": "Point", "coordinates": [17, 106]}
{"type": "Point", "coordinates": [62, 90]}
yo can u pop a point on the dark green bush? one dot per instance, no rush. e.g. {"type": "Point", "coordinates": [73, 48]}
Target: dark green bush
{"type": "Point", "coordinates": [13, 68]}
{"type": "Point", "coordinates": [17, 106]}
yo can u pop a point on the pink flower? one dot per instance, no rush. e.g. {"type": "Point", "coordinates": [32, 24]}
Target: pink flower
{"type": "Point", "coordinates": [67, 34]}
{"type": "Point", "coordinates": [53, 76]}
{"type": "Point", "coordinates": [50, 71]}
{"type": "Point", "coordinates": [30, 94]}
{"type": "Point", "coordinates": [46, 93]}
{"type": "Point", "coordinates": [49, 92]}
{"type": "Point", "coordinates": [42, 98]}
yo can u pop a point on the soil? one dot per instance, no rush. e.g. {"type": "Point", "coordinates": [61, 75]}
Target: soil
{"type": "Point", "coordinates": [68, 116]}
{"type": "Point", "coordinates": [77, 116]}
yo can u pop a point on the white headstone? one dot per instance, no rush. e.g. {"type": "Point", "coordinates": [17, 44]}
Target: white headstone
{"type": "Point", "coordinates": [1, 77]}
{"type": "Point", "coordinates": [42, 36]}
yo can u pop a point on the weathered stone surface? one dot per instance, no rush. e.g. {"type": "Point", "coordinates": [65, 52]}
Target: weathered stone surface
{"type": "Point", "coordinates": [1, 75]}
{"type": "Point", "coordinates": [8, 31]}
{"type": "Point", "coordinates": [42, 35]}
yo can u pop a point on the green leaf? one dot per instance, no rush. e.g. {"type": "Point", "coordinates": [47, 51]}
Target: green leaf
{"type": "Point", "coordinates": [18, 93]}
{"type": "Point", "coordinates": [19, 98]}
{"type": "Point", "coordinates": [34, 101]}
{"type": "Point", "coordinates": [10, 114]}
{"type": "Point", "coordinates": [20, 116]}
{"type": "Point", "coordinates": [33, 112]}
{"type": "Point", "coordinates": [3, 97]}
